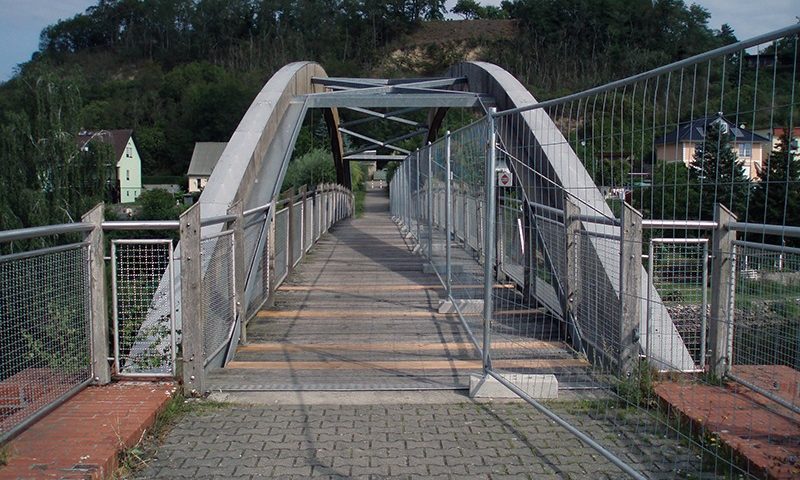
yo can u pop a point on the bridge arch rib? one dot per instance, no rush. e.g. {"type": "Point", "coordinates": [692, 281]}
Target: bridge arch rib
{"type": "Point", "coordinates": [547, 168]}
{"type": "Point", "coordinates": [254, 163]}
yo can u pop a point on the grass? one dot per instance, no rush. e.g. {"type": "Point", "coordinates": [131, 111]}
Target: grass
{"type": "Point", "coordinates": [360, 196]}
{"type": "Point", "coordinates": [136, 458]}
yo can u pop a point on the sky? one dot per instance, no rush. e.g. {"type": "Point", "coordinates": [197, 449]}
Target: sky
{"type": "Point", "coordinates": [21, 21]}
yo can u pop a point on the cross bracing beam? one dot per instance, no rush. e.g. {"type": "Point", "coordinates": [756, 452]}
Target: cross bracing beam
{"type": "Point", "coordinates": [361, 83]}
{"type": "Point", "coordinates": [374, 157]}
{"type": "Point", "coordinates": [391, 116]}
{"type": "Point", "coordinates": [348, 99]}
{"type": "Point", "coordinates": [387, 144]}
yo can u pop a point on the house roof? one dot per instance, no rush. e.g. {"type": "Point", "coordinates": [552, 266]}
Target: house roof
{"type": "Point", "coordinates": [205, 158]}
{"type": "Point", "coordinates": [695, 131]}
{"type": "Point", "coordinates": [118, 139]}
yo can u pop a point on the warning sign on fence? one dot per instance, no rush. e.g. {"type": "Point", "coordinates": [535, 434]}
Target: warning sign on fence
{"type": "Point", "coordinates": [504, 178]}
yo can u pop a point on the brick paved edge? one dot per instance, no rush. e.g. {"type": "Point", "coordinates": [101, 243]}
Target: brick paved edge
{"type": "Point", "coordinates": [83, 437]}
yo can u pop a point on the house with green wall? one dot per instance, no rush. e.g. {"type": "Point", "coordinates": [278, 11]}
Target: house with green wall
{"type": "Point", "coordinates": [125, 173]}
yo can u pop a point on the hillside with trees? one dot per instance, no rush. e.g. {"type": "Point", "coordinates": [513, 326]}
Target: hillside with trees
{"type": "Point", "coordinates": [182, 71]}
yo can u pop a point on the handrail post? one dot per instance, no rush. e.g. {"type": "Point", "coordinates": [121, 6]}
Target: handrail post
{"type": "Point", "coordinates": [488, 244]}
{"type": "Point", "coordinates": [240, 273]}
{"type": "Point", "coordinates": [630, 272]}
{"type": "Point", "coordinates": [101, 371]}
{"type": "Point", "coordinates": [192, 315]}
{"type": "Point", "coordinates": [722, 292]}
{"type": "Point", "coordinates": [448, 214]}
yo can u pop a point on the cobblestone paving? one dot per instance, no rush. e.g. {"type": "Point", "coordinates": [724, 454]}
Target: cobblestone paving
{"type": "Point", "coordinates": [403, 441]}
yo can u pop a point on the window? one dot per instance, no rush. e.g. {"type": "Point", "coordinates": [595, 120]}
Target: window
{"type": "Point", "coordinates": [127, 174]}
{"type": "Point", "coordinates": [745, 150]}
{"type": "Point", "coordinates": [128, 152]}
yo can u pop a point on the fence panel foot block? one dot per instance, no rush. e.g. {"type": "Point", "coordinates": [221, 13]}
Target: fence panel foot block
{"type": "Point", "coordinates": [539, 386]}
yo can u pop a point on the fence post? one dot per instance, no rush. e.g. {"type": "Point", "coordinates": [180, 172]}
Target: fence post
{"type": "Point", "coordinates": [572, 226]}
{"type": "Point", "coordinates": [630, 268]}
{"type": "Point", "coordinates": [97, 287]}
{"type": "Point", "coordinates": [240, 271]}
{"type": "Point", "coordinates": [448, 215]}
{"type": "Point", "coordinates": [722, 271]}
{"type": "Point", "coordinates": [429, 201]}
{"type": "Point", "coordinates": [489, 237]}
{"type": "Point", "coordinates": [192, 315]}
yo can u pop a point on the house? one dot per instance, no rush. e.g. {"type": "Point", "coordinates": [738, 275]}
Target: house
{"type": "Point", "coordinates": [680, 145]}
{"type": "Point", "coordinates": [126, 176]}
{"type": "Point", "coordinates": [775, 135]}
{"type": "Point", "coordinates": [204, 158]}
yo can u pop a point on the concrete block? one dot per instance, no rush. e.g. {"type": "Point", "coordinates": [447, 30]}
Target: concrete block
{"type": "Point", "coordinates": [455, 268]}
{"type": "Point", "coordinates": [466, 306]}
{"type": "Point", "coordinates": [538, 386]}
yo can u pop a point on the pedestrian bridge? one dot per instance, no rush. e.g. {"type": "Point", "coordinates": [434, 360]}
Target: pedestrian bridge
{"type": "Point", "coordinates": [504, 255]}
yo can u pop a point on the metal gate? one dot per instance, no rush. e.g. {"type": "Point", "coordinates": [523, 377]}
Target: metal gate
{"type": "Point", "coordinates": [143, 289]}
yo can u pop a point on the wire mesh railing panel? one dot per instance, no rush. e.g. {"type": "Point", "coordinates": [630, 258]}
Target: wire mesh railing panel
{"type": "Point", "coordinates": [44, 330]}
{"type": "Point", "coordinates": [281, 248]}
{"type": "Point", "coordinates": [317, 216]}
{"type": "Point", "coordinates": [297, 229]}
{"type": "Point", "coordinates": [144, 326]}
{"type": "Point", "coordinates": [597, 302]}
{"type": "Point", "coordinates": [679, 272]}
{"type": "Point", "coordinates": [308, 223]}
{"type": "Point", "coordinates": [256, 234]}
{"type": "Point", "coordinates": [219, 299]}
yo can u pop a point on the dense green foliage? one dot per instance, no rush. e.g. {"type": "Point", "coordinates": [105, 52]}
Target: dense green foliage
{"type": "Point", "coordinates": [46, 177]}
{"type": "Point", "coordinates": [182, 71]}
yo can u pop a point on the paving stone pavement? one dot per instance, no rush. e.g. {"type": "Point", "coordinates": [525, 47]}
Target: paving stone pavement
{"type": "Point", "coordinates": [463, 441]}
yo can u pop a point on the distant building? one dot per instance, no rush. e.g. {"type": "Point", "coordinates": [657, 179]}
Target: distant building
{"type": "Point", "coordinates": [204, 158]}
{"type": "Point", "coordinates": [776, 134]}
{"type": "Point", "coordinates": [681, 144]}
{"type": "Point", "coordinates": [126, 176]}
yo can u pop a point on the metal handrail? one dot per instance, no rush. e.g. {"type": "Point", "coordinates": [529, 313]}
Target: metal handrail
{"type": "Point", "coordinates": [141, 225]}
{"type": "Point", "coordinates": [765, 228]}
{"type": "Point", "coordinates": [688, 62]}
{"type": "Point", "coordinates": [35, 232]}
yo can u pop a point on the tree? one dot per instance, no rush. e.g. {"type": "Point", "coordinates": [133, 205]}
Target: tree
{"type": "Point", "coordinates": [718, 172]}
{"type": "Point", "coordinates": [47, 178]}
{"type": "Point", "coordinates": [469, 9]}
{"type": "Point", "coordinates": [776, 196]}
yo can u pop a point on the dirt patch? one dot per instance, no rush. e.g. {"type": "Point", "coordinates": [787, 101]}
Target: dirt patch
{"type": "Point", "coordinates": [461, 30]}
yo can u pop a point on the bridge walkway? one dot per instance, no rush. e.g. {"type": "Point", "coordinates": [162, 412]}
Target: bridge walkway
{"type": "Point", "coordinates": [359, 313]}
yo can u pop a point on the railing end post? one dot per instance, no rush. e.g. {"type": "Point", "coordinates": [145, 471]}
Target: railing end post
{"type": "Point", "coordinates": [722, 292]}
{"type": "Point", "coordinates": [192, 315]}
{"type": "Point", "coordinates": [101, 370]}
